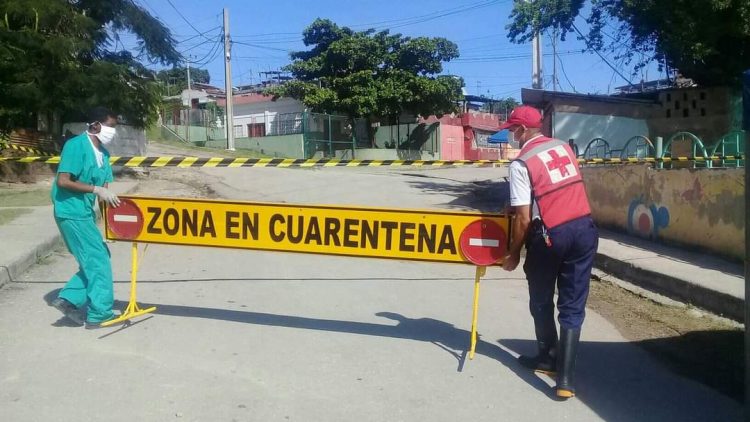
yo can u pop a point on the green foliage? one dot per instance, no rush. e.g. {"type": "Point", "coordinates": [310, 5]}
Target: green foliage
{"type": "Point", "coordinates": [501, 106]}
{"type": "Point", "coordinates": [175, 80]}
{"type": "Point", "coordinates": [370, 73]}
{"type": "Point", "coordinates": [61, 56]}
{"type": "Point", "coordinates": [706, 40]}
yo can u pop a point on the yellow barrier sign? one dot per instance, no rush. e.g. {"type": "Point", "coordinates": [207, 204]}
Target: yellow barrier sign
{"type": "Point", "coordinates": [420, 235]}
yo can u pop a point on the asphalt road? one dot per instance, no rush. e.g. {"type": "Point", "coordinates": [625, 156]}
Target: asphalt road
{"type": "Point", "coordinates": [261, 336]}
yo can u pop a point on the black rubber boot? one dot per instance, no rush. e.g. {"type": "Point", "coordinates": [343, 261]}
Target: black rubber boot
{"type": "Point", "coordinates": [566, 362]}
{"type": "Point", "coordinates": [546, 342]}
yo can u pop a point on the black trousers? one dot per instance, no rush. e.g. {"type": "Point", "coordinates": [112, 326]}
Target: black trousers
{"type": "Point", "coordinates": [566, 264]}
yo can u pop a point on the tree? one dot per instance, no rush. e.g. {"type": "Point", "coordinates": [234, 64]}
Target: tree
{"type": "Point", "coordinates": [706, 40]}
{"type": "Point", "coordinates": [504, 106]}
{"type": "Point", "coordinates": [61, 57]}
{"type": "Point", "coordinates": [371, 74]}
{"type": "Point", "coordinates": [175, 79]}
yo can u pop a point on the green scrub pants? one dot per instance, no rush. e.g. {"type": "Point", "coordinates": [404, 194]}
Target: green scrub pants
{"type": "Point", "coordinates": [93, 281]}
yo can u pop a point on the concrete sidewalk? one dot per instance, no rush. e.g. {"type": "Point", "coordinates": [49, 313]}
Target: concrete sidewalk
{"type": "Point", "coordinates": [704, 281]}
{"type": "Point", "coordinates": [33, 236]}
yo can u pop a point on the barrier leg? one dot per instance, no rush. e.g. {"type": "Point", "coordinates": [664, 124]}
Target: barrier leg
{"type": "Point", "coordinates": [133, 310]}
{"type": "Point", "coordinates": [480, 272]}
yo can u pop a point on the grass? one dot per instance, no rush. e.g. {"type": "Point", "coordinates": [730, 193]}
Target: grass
{"type": "Point", "coordinates": [154, 135]}
{"type": "Point", "coordinates": [24, 198]}
{"type": "Point", "coordinates": [10, 214]}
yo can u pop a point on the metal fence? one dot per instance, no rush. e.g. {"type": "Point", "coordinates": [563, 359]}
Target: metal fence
{"type": "Point", "coordinates": [329, 136]}
{"type": "Point", "coordinates": [680, 144]}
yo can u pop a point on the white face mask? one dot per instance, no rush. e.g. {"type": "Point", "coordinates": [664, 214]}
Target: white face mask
{"type": "Point", "coordinates": [106, 134]}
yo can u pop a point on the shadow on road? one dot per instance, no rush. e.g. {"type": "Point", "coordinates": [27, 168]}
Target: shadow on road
{"type": "Point", "coordinates": [616, 380]}
{"type": "Point", "coordinates": [483, 195]}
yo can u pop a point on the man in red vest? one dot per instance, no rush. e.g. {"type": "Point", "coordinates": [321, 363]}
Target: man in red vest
{"type": "Point", "coordinates": [553, 220]}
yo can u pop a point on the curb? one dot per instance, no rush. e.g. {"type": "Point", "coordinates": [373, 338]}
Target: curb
{"type": "Point", "coordinates": [11, 272]}
{"type": "Point", "coordinates": [719, 303]}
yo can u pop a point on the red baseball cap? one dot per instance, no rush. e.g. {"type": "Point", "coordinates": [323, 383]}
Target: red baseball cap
{"type": "Point", "coordinates": [523, 116]}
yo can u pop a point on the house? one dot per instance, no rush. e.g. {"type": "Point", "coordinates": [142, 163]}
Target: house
{"type": "Point", "coordinates": [199, 97]}
{"type": "Point", "coordinates": [258, 115]}
{"type": "Point", "coordinates": [465, 136]}
{"type": "Point", "coordinates": [584, 117]}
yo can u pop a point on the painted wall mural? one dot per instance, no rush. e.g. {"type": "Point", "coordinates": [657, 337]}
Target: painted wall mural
{"type": "Point", "coordinates": [646, 220]}
{"type": "Point", "coordinates": [702, 208]}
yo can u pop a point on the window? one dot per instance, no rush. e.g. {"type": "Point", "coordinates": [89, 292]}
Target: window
{"type": "Point", "coordinates": [238, 131]}
{"type": "Point", "coordinates": [256, 130]}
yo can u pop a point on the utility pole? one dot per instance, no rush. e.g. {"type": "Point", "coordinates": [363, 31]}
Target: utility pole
{"type": "Point", "coordinates": [536, 62]}
{"type": "Point", "coordinates": [554, 61]}
{"type": "Point", "coordinates": [189, 101]}
{"type": "Point", "coordinates": [228, 81]}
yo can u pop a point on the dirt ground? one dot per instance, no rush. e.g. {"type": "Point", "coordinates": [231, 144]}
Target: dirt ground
{"type": "Point", "coordinates": [692, 343]}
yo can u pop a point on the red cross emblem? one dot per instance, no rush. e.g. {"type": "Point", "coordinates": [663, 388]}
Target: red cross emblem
{"type": "Point", "coordinates": [558, 163]}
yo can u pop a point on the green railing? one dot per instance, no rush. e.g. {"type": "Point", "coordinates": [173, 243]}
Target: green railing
{"type": "Point", "coordinates": [729, 145]}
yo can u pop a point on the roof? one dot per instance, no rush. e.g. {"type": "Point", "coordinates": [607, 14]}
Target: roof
{"type": "Point", "coordinates": [538, 97]}
{"type": "Point", "coordinates": [246, 98]}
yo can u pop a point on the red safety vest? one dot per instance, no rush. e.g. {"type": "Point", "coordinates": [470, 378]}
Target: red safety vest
{"type": "Point", "coordinates": [556, 183]}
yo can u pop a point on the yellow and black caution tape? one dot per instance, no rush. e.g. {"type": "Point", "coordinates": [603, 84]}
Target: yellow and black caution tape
{"type": "Point", "coordinates": [262, 162]}
{"type": "Point", "coordinates": [291, 162]}
{"type": "Point", "coordinates": [30, 150]}
{"type": "Point", "coordinates": [651, 160]}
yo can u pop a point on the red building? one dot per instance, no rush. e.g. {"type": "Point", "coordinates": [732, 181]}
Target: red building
{"type": "Point", "coordinates": [465, 137]}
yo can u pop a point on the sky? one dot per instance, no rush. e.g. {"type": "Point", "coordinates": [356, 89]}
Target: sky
{"type": "Point", "coordinates": [263, 34]}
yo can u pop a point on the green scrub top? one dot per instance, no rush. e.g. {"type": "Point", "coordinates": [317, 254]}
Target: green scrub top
{"type": "Point", "coordinates": [79, 160]}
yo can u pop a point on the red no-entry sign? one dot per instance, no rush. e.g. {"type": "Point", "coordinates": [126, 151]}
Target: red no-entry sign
{"type": "Point", "coordinates": [125, 221]}
{"type": "Point", "coordinates": [483, 242]}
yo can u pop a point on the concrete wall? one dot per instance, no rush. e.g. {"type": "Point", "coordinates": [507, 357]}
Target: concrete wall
{"type": "Point", "coordinates": [287, 146]}
{"type": "Point", "coordinates": [199, 133]}
{"type": "Point", "coordinates": [698, 208]}
{"type": "Point", "coordinates": [414, 136]}
{"type": "Point", "coordinates": [705, 112]}
{"type": "Point", "coordinates": [585, 127]}
{"type": "Point", "coordinates": [452, 142]}
{"type": "Point", "coordinates": [129, 141]}
{"type": "Point", "coordinates": [389, 154]}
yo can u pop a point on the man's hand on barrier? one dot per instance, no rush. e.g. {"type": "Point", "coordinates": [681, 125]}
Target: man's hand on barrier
{"type": "Point", "coordinates": [107, 196]}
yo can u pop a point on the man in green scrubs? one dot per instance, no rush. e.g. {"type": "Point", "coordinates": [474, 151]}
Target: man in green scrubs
{"type": "Point", "coordinates": [83, 176]}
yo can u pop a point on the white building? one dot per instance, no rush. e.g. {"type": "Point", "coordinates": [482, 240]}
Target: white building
{"type": "Point", "coordinates": [258, 115]}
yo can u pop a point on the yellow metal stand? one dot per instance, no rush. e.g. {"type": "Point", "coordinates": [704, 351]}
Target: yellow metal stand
{"type": "Point", "coordinates": [132, 310]}
{"type": "Point", "coordinates": [481, 271]}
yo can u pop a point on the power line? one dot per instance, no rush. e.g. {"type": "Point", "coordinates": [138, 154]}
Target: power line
{"type": "Point", "coordinates": [562, 67]}
{"type": "Point", "coordinates": [509, 57]}
{"type": "Point", "coordinates": [260, 46]}
{"type": "Point", "coordinates": [397, 23]}
{"type": "Point", "coordinates": [185, 19]}
{"type": "Point", "coordinates": [212, 53]}
{"type": "Point", "coordinates": [217, 38]}
{"type": "Point", "coordinates": [601, 56]}
{"type": "Point", "coordinates": [201, 34]}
